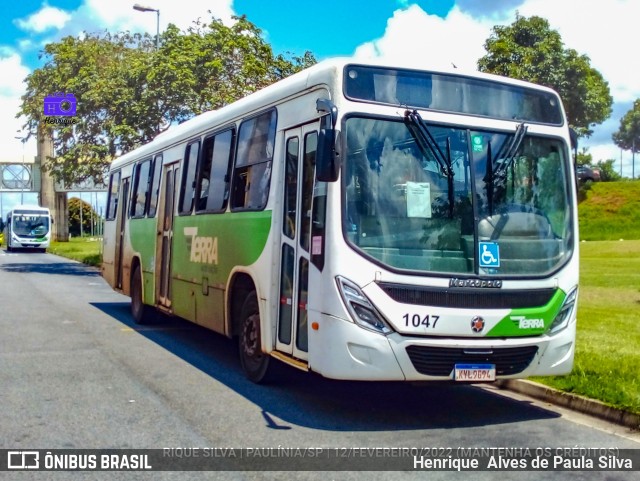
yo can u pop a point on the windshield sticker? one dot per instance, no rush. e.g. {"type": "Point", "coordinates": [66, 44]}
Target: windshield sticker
{"type": "Point", "coordinates": [419, 199]}
{"type": "Point", "coordinates": [489, 254]}
{"type": "Point", "coordinates": [476, 142]}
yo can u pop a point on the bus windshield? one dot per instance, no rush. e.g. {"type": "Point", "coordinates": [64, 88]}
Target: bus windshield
{"type": "Point", "coordinates": [25, 225]}
{"type": "Point", "coordinates": [477, 202]}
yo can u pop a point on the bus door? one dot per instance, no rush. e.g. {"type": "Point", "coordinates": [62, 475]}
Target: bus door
{"type": "Point", "coordinates": [121, 223]}
{"type": "Point", "coordinates": [300, 158]}
{"type": "Point", "coordinates": [165, 234]}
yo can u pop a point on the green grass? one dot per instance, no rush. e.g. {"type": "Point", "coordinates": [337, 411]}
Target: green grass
{"type": "Point", "coordinates": [84, 249]}
{"type": "Point", "coordinates": [607, 362]}
{"type": "Point", "coordinates": [611, 211]}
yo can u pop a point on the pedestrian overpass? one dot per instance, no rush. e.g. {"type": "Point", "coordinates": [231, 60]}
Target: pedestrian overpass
{"type": "Point", "coordinates": [23, 182]}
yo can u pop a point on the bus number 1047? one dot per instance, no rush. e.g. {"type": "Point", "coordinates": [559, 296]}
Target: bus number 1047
{"type": "Point", "coordinates": [416, 320]}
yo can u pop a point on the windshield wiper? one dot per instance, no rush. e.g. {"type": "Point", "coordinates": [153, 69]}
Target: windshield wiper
{"type": "Point", "coordinates": [512, 149]}
{"type": "Point", "coordinates": [420, 132]}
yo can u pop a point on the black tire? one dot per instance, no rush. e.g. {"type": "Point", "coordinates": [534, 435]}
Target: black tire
{"type": "Point", "coordinates": [142, 314]}
{"type": "Point", "coordinates": [254, 362]}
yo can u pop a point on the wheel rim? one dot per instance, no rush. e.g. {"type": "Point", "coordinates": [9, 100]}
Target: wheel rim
{"type": "Point", "coordinates": [251, 340]}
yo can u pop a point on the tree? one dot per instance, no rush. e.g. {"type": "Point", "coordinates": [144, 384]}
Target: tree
{"type": "Point", "coordinates": [607, 171]}
{"type": "Point", "coordinates": [529, 49]}
{"type": "Point", "coordinates": [606, 167]}
{"type": "Point", "coordinates": [76, 219]}
{"type": "Point", "coordinates": [128, 91]}
{"type": "Point", "coordinates": [628, 135]}
{"type": "Point", "coordinates": [584, 157]}
{"type": "Point", "coordinates": [99, 70]}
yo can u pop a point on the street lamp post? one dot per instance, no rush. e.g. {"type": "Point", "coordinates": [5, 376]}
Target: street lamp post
{"type": "Point", "coordinates": [142, 8]}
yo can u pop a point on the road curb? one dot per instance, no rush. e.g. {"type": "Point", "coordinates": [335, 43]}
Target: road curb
{"type": "Point", "coordinates": [572, 401]}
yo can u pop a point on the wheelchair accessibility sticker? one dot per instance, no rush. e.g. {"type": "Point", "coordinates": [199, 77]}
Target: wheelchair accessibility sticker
{"type": "Point", "coordinates": [489, 254]}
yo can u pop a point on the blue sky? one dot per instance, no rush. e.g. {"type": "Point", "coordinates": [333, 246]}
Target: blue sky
{"type": "Point", "coordinates": [434, 31]}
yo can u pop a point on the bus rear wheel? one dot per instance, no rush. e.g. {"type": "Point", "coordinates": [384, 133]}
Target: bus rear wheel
{"type": "Point", "coordinates": [141, 313]}
{"type": "Point", "coordinates": [254, 362]}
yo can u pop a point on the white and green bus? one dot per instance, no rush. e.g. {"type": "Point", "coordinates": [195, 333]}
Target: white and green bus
{"type": "Point", "coordinates": [28, 227]}
{"type": "Point", "coordinates": [362, 221]}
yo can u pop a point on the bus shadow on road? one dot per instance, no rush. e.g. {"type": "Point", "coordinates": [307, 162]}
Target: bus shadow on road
{"type": "Point", "coordinates": [309, 400]}
{"type": "Point", "coordinates": [59, 268]}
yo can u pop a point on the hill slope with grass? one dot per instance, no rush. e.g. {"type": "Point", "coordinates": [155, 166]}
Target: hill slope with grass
{"type": "Point", "coordinates": [607, 358]}
{"type": "Point", "coordinates": [610, 211]}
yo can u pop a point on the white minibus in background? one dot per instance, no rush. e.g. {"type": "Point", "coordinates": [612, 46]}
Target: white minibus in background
{"type": "Point", "coordinates": [28, 227]}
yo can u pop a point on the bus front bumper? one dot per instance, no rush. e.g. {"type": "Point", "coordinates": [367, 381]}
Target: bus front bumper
{"type": "Point", "coordinates": [340, 349]}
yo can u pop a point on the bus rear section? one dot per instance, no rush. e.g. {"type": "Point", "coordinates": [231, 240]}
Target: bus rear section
{"type": "Point", "coordinates": [29, 228]}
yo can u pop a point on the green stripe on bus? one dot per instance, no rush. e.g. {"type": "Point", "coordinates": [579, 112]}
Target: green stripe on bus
{"type": "Point", "coordinates": [529, 321]}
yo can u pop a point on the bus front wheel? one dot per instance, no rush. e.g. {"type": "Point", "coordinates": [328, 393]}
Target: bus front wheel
{"type": "Point", "coordinates": [139, 310]}
{"type": "Point", "coordinates": [254, 362]}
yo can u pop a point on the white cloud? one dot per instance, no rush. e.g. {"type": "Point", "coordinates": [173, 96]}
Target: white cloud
{"type": "Point", "coordinates": [11, 89]}
{"type": "Point", "coordinates": [414, 34]}
{"type": "Point", "coordinates": [605, 31]}
{"type": "Point", "coordinates": [44, 19]}
{"type": "Point", "coordinates": [12, 74]}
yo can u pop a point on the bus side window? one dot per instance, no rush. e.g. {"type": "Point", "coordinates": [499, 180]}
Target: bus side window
{"type": "Point", "coordinates": [112, 201]}
{"type": "Point", "coordinates": [252, 173]}
{"type": "Point", "coordinates": [204, 175]}
{"type": "Point", "coordinates": [188, 187]}
{"type": "Point", "coordinates": [308, 171]}
{"type": "Point", "coordinates": [155, 185]}
{"type": "Point", "coordinates": [140, 189]}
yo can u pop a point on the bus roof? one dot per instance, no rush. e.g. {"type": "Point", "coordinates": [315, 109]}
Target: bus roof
{"type": "Point", "coordinates": [30, 207]}
{"type": "Point", "coordinates": [322, 73]}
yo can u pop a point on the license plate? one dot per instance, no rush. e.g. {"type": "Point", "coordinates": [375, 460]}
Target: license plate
{"type": "Point", "coordinates": [475, 372]}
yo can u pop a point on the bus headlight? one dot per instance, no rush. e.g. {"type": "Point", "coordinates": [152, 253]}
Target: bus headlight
{"type": "Point", "coordinates": [360, 308]}
{"type": "Point", "coordinates": [562, 319]}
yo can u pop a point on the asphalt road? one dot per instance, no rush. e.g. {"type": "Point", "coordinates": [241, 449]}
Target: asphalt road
{"type": "Point", "coordinates": [77, 373]}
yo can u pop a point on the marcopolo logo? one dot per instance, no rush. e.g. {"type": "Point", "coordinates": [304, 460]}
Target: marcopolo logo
{"type": "Point", "coordinates": [203, 249]}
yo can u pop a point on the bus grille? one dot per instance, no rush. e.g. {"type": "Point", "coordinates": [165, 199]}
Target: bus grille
{"type": "Point", "coordinates": [468, 298]}
{"type": "Point", "coordinates": [440, 361]}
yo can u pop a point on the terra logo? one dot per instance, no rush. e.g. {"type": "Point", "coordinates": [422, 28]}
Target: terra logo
{"type": "Point", "coordinates": [203, 249]}
{"type": "Point", "coordinates": [524, 323]}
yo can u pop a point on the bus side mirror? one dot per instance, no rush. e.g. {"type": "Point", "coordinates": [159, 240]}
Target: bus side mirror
{"type": "Point", "coordinates": [1, 224]}
{"type": "Point", "coordinates": [327, 165]}
{"type": "Point", "coordinates": [51, 217]}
